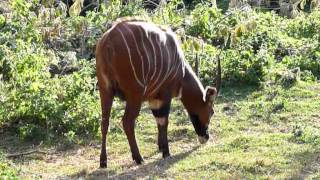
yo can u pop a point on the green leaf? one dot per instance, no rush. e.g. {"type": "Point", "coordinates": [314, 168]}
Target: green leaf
{"type": "Point", "coordinates": [240, 30]}
{"type": "Point", "coordinates": [2, 21]}
{"type": "Point", "coordinates": [196, 45]}
{"type": "Point", "coordinates": [75, 9]}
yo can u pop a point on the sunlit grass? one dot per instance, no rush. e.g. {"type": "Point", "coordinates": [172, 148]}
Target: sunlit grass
{"type": "Point", "coordinates": [245, 142]}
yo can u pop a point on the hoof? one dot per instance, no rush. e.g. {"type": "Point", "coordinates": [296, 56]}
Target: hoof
{"type": "Point", "coordinates": [138, 160]}
{"type": "Point", "coordinates": [103, 164]}
{"type": "Point", "coordinates": [165, 155]}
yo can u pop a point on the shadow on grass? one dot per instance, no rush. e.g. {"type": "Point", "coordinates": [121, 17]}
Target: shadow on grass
{"type": "Point", "coordinates": [10, 143]}
{"type": "Point", "coordinates": [239, 92]}
{"type": "Point", "coordinates": [308, 164]}
{"type": "Point", "coordinates": [21, 151]}
{"type": "Point", "coordinates": [157, 168]}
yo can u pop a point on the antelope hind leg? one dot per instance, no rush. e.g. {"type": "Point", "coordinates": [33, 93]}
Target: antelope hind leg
{"type": "Point", "coordinates": [129, 118]}
{"type": "Point", "coordinates": [106, 104]}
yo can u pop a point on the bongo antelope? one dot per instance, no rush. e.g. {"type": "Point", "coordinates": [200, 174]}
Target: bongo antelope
{"type": "Point", "coordinates": [140, 61]}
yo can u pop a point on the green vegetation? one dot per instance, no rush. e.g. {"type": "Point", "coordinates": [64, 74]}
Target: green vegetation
{"type": "Point", "coordinates": [6, 171]}
{"type": "Point", "coordinates": [267, 116]}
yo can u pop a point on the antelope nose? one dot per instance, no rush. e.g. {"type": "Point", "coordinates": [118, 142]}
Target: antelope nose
{"type": "Point", "coordinates": [203, 139]}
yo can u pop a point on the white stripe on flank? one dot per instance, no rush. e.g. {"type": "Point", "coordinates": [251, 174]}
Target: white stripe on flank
{"type": "Point", "coordinates": [179, 93]}
{"type": "Point", "coordinates": [177, 70]}
{"type": "Point", "coordinates": [160, 74]}
{"type": "Point", "coordinates": [169, 60]}
{"type": "Point", "coordinates": [147, 54]}
{"type": "Point", "coordinates": [176, 65]}
{"type": "Point", "coordinates": [154, 57]}
{"type": "Point", "coordinates": [174, 62]}
{"type": "Point", "coordinates": [169, 65]}
{"type": "Point", "coordinates": [154, 60]}
{"type": "Point", "coordinates": [146, 80]}
{"type": "Point", "coordinates": [179, 52]}
{"type": "Point", "coordinates": [161, 65]}
{"type": "Point", "coordinates": [138, 50]}
{"type": "Point", "coordinates": [129, 53]}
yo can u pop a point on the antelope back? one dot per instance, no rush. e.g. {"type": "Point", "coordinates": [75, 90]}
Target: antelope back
{"type": "Point", "coordinates": [140, 58]}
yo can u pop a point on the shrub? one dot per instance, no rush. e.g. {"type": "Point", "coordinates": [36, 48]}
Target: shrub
{"type": "Point", "coordinates": [201, 21]}
{"type": "Point", "coordinates": [245, 67]}
{"type": "Point", "coordinates": [304, 26]}
{"type": "Point", "coordinates": [42, 103]}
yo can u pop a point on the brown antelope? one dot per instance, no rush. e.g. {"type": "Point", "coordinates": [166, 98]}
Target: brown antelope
{"type": "Point", "coordinates": [139, 61]}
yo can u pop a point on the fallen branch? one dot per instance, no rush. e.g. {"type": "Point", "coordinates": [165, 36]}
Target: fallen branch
{"type": "Point", "coordinates": [26, 153]}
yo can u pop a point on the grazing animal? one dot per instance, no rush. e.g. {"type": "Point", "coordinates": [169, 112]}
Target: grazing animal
{"type": "Point", "coordinates": [140, 61]}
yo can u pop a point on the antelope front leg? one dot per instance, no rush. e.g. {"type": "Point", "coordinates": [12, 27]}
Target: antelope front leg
{"type": "Point", "coordinates": [129, 118]}
{"type": "Point", "coordinates": [161, 116]}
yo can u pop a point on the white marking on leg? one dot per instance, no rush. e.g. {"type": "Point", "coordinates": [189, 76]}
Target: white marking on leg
{"type": "Point", "coordinates": [155, 104]}
{"type": "Point", "coordinates": [161, 121]}
{"type": "Point", "coordinates": [129, 53]}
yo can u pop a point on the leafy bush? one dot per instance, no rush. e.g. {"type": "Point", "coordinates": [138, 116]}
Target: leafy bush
{"type": "Point", "coordinates": [39, 102]}
{"type": "Point", "coordinates": [58, 104]}
{"type": "Point", "coordinates": [305, 26]}
{"type": "Point", "coordinates": [169, 14]}
{"type": "Point", "coordinates": [245, 66]}
{"type": "Point", "coordinates": [304, 63]}
{"type": "Point", "coordinates": [201, 22]}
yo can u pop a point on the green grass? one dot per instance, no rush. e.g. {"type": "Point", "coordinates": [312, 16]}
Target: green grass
{"type": "Point", "coordinates": [256, 133]}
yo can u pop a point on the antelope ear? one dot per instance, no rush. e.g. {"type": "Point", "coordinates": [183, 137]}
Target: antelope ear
{"type": "Point", "coordinates": [210, 94]}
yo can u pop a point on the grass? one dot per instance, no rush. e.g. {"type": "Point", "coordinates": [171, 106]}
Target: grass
{"type": "Point", "coordinates": [265, 133]}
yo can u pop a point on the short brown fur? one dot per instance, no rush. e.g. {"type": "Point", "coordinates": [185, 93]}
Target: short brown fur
{"type": "Point", "coordinates": [121, 65]}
